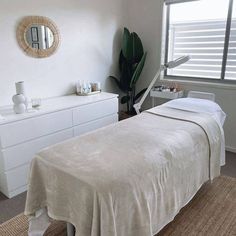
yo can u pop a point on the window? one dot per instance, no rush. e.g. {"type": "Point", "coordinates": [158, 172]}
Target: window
{"type": "Point", "coordinates": [205, 30]}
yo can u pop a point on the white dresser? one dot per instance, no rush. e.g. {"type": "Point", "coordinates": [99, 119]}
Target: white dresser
{"type": "Point", "coordinates": [58, 119]}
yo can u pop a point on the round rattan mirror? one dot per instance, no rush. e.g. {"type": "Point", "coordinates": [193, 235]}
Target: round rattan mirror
{"type": "Point", "coordinates": [38, 36]}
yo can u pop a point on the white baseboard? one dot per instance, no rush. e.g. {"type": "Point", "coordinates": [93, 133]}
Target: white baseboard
{"type": "Point", "coordinates": [230, 149]}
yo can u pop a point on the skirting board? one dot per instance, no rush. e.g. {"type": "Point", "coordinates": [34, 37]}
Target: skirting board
{"type": "Point", "coordinates": [230, 149]}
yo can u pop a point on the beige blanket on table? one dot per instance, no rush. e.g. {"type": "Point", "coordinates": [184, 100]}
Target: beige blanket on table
{"type": "Point", "coordinates": [127, 179]}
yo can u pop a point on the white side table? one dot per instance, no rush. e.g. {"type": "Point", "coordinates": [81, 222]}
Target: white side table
{"type": "Point", "coordinates": [166, 95]}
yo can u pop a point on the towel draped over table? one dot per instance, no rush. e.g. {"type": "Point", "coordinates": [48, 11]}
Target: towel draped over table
{"type": "Point", "coordinates": [130, 178]}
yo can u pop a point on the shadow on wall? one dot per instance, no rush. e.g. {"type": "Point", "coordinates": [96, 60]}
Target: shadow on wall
{"type": "Point", "coordinates": [115, 60]}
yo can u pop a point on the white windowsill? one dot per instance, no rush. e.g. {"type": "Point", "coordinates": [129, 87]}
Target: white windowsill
{"type": "Point", "coordinates": [198, 83]}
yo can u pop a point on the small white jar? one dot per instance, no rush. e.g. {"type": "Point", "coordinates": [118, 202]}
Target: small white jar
{"type": "Point", "coordinates": [19, 103]}
{"type": "Point", "coordinates": [19, 108]}
{"type": "Point", "coordinates": [18, 98]}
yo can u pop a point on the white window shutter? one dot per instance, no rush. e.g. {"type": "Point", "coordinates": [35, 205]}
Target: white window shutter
{"type": "Point", "coordinates": [204, 42]}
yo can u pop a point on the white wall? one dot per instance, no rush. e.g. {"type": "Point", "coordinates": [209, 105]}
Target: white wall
{"type": "Point", "coordinates": [90, 33]}
{"type": "Point", "coordinates": [145, 17]}
{"type": "Point", "coordinates": [90, 38]}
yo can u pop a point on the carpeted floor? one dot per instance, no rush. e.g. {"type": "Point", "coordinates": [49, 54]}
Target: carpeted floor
{"type": "Point", "coordinates": [18, 226]}
{"type": "Point", "coordinates": [211, 212]}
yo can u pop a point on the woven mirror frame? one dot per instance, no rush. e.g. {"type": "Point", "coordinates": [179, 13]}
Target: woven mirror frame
{"type": "Point", "coordinates": [21, 31]}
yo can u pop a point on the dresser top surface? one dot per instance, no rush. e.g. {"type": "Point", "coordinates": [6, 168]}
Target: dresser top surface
{"type": "Point", "coordinates": [49, 105]}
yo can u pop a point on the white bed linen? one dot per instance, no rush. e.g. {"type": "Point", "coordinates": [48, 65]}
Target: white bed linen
{"type": "Point", "coordinates": [130, 178]}
{"type": "Point", "coordinates": [202, 106]}
{"type": "Point", "coordinates": [198, 105]}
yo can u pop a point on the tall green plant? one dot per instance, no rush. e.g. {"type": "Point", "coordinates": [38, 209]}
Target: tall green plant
{"type": "Point", "coordinates": [131, 62]}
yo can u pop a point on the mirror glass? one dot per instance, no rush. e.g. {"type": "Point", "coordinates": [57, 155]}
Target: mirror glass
{"type": "Point", "coordinates": [39, 36]}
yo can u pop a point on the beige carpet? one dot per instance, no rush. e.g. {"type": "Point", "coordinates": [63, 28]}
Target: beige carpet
{"type": "Point", "coordinates": [211, 212]}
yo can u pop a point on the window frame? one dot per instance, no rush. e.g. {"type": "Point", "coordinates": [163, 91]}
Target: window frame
{"type": "Point", "coordinates": [225, 50]}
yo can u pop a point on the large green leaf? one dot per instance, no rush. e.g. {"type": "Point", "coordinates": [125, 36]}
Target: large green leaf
{"type": "Point", "coordinates": [138, 70]}
{"type": "Point", "coordinates": [121, 60]}
{"type": "Point", "coordinates": [131, 63]}
{"type": "Point", "coordinates": [140, 94]}
{"type": "Point", "coordinates": [126, 75]}
{"type": "Point", "coordinates": [127, 48]}
{"type": "Point", "coordinates": [124, 99]}
{"type": "Point", "coordinates": [132, 47]}
{"type": "Point", "coordinates": [137, 48]}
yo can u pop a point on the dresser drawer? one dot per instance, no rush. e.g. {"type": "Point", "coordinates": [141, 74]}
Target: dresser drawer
{"type": "Point", "coordinates": [23, 153]}
{"type": "Point", "coordinates": [95, 111]}
{"type": "Point", "coordinates": [21, 131]}
{"type": "Point", "coordinates": [93, 125]}
{"type": "Point", "coordinates": [17, 178]}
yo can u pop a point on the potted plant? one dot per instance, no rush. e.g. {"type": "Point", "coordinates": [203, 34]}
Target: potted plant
{"type": "Point", "coordinates": [131, 62]}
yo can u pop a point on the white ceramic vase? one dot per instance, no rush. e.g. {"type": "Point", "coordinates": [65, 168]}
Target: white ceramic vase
{"type": "Point", "coordinates": [20, 89]}
{"type": "Point", "coordinates": [19, 103]}
{"type": "Point", "coordinates": [19, 108]}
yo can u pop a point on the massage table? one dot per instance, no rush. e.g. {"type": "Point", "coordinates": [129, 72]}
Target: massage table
{"type": "Point", "coordinates": [130, 178]}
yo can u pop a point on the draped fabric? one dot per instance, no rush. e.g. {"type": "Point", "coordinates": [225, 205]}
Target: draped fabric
{"type": "Point", "coordinates": [130, 178]}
